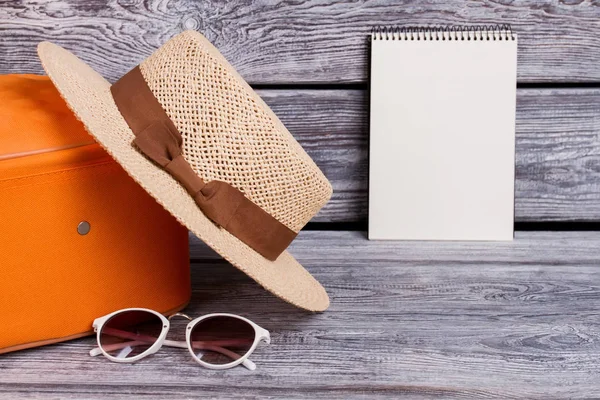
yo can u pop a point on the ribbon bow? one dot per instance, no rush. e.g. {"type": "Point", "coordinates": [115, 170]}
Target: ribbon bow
{"type": "Point", "coordinates": [158, 138]}
{"type": "Point", "coordinates": [222, 203]}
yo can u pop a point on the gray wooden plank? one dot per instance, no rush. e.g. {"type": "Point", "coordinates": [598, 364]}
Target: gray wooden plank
{"type": "Point", "coordinates": [407, 320]}
{"type": "Point", "coordinates": [299, 41]}
{"type": "Point", "coordinates": [557, 149]}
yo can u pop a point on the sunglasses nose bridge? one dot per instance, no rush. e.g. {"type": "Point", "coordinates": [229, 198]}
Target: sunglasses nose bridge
{"type": "Point", "coordinates": [180, 315]}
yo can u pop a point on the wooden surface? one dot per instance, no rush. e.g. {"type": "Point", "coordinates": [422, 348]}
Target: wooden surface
{"type": "Point", "coordinates": [557, 160]}
{"type": "Point", "coordinates": [558, 145]}
{"type": "Point", "coordinates": [407, 320]}
{"type": "Point", "coordinates": [295, 41]}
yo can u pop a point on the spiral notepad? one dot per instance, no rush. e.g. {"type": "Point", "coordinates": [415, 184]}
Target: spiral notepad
{"type": "Point", "coordinates": [442, 133]}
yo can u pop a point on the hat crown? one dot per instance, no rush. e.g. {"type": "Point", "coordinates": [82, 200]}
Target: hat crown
{"type": "Point", "coordinates": [230, 134]}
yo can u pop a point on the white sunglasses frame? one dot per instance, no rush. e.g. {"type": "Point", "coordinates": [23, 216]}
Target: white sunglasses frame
{"type": "Point", "coordinates": [261, 334]}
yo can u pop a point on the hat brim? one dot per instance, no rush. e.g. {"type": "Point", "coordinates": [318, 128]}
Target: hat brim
{"type": "Point", "coordinates": [88, 95]}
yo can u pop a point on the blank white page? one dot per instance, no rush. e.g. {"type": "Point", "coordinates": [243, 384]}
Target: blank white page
{"type": "Point", "coordinates": [442, 139]}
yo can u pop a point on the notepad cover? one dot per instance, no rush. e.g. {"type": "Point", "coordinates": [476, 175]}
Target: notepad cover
{"type": "Point", "coordinates": [442, 139]}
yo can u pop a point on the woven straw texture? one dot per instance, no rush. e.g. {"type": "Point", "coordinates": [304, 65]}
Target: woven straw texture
{"type": "Point", "coordinates": [229, 134]}
{"type": "Point", "coordinates": [88, 95]}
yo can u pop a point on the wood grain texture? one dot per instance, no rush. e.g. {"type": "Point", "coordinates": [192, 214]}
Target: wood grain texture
{"type": "Point", "coordinates": [407, 320]}
{"type": "Point", "coordinates": [293, 41]}
{"type": "Point", "coordinates": [557, 156]}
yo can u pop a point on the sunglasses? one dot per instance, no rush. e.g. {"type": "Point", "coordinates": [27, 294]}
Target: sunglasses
{"type": "Point", "coordinates": [216, 341]}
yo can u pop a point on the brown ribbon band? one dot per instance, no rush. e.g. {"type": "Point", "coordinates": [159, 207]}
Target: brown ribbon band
{"type": "Point", "coordinates": [158, 138]}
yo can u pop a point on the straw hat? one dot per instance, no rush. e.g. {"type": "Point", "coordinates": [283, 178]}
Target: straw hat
{"type": "Point", "coordinates": [226, 134]}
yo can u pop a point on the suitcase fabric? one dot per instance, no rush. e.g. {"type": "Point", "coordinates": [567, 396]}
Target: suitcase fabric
{"type": "Point", "coordinates": [78, 237]}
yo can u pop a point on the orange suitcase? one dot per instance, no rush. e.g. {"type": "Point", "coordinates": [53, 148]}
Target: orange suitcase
{"type": "Point", "coordinates": [78, 237]}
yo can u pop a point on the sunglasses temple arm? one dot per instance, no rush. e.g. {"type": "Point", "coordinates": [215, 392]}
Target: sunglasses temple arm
{"type": "Point", "coordinates": [96, 351]}
{"type": "Point", "coordinates": [135, 340]}
{"type": "Point", "coordinates": [234, 356]}
{"type": "Point", "coordinates": [172, 343]}
{"type": "Point", "coordinates": [144, 339]}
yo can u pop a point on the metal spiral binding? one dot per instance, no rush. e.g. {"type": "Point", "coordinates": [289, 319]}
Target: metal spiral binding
{"type": "Point", "coordinates": [449, 32]}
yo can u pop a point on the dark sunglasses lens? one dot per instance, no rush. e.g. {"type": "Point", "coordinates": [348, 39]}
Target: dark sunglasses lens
{"type": "Point", "coordinates": [130, 333]}
{"type": "Point", "coordinates": [222, 340]}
